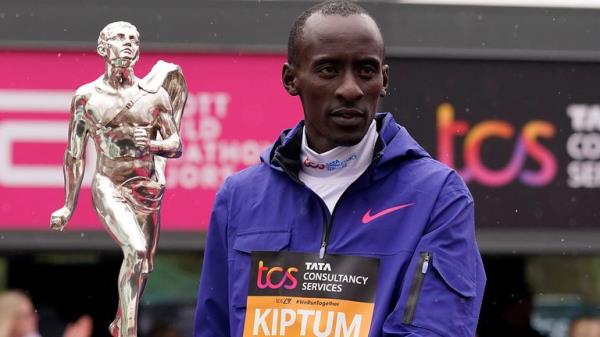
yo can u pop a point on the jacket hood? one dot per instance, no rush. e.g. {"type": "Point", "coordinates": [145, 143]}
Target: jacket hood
{"type": "Point", "coordinates": [394, 144]}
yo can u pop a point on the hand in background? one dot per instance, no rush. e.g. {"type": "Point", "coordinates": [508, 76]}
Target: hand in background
{"type": "Point", "coordinates": [80, 328]}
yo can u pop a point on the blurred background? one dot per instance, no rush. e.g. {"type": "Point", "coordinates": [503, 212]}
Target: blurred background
{"type": "Point", "coordinates": [506, 92]}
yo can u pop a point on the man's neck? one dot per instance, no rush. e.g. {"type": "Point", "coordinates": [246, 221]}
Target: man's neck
{"type": "Point", "coordinates": [119, 74]}
{"type": "Point", "coordinates": [328, 174]}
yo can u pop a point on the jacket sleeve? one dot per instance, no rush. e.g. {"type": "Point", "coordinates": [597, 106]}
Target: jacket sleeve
{"type": "Point", "coordinates": [442, 289]}
{"type": "Point", "coordinates": [212, 310]}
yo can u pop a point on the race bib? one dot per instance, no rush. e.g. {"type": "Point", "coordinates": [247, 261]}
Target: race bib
{"type": "Point", "coordinates": [296, 294]}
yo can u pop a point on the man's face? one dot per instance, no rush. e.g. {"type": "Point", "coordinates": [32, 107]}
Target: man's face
{"type": "Point", "coordinates": [339, 75]}
{"type": "Point", "coordinates": [123, 44]}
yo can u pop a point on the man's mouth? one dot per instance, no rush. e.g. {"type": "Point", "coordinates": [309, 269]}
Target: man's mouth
{"type": "Point", "coordinates": [348, 118]}
{"type": "Point", "coordinates": [348, 113]}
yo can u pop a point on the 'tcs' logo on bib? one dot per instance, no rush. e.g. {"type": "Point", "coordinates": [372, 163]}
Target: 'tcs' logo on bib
{"type": "Point", "coordinates": [281, 277]}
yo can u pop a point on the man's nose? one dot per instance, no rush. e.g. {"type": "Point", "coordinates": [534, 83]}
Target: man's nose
{"type": "Point", "coordinates": [349, 89]}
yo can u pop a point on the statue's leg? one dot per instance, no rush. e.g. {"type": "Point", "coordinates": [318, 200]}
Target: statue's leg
{"type": "Point", "coordinates": [149, 224]}
{"type": "Point", "coordinates": [121, 222]}
{"type": "Point", "coordinates": [113, 327]}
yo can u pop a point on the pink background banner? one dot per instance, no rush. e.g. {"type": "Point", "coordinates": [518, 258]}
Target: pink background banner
{"type": "Point", "coordinates": [236, 107]}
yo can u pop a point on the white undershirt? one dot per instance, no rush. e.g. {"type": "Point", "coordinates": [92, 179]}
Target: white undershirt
{"type": "Point", "coordinates": [330, 173]}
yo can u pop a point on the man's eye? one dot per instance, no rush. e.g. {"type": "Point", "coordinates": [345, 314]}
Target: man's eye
{"type": "Point", "coordinates": [326, 70]}
{"type": "Point", "coordinates": [367, 71]}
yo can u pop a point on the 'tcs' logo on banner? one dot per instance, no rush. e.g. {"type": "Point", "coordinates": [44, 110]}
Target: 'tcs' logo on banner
{"type": "Point", "coordinates": [475, 170]}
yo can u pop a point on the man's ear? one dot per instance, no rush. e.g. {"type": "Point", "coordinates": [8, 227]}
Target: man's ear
{"type": "Point", "coordinates": [386, 80]}
{"type": "Point", "coordinates": [288, 77]}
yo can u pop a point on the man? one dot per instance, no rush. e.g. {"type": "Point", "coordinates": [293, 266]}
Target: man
{"type": "Point", "coordinates": [585, 327]}
{"type": "Point", "coordinates": [18, 318]}
{"type": "Point", "coordinates": [134, 125]}
{"type": "Point", "coordinates": [343, 183]}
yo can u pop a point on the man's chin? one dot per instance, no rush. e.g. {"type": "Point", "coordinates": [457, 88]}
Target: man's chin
{"type": "Point", "coordinates": [122, 62]}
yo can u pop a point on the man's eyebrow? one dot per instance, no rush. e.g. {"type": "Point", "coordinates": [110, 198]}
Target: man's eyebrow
{"type": "Point", "coordinates": [370, 58]}
{"type": "Point", "coordinates": [320, 59]}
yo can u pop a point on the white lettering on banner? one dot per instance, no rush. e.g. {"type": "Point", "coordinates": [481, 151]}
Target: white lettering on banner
{"type": "Point", "coordinates": [40, 131]}
{"type": "Point", "coordinates": [584, 117]}
{"type": "Point", "coordinates": [583, 146]}
{"type": "Point", "coordinates": [236, 152]}
{"type": "Point", "coordinates": [34, 175]}
{"type": "Point", "coordinates": [336, 324]}
{"type": "Point", "coordinates": [192, 176]}
{"type": "Point", "coordinates": [207, 158]}
{"type": "Point", "coordinates": [206, 103]}
{"type": "Point", "coordinates": [584, 174]}
{"type": "Point", "coordinates": [39, 101]}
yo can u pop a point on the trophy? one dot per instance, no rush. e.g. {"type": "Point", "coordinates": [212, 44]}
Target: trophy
{"type": "Point", "coordinates": [134, 124]}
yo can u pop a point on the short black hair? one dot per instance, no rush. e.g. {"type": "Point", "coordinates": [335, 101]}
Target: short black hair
{"type": "Point", "coordinates": [333, 7]}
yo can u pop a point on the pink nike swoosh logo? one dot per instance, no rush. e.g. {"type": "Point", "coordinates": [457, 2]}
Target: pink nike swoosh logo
{"type": "Point", "coordinates": [368, 217]}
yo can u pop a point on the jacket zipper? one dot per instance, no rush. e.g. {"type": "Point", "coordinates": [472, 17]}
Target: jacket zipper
{"type": "Point", "coordinates": [415, 288]}
{"type": "Point", "coordinates": [327, 224]}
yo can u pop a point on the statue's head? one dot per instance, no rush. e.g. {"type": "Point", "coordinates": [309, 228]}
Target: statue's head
{"type": "Point", "coordinates": [119, 44]}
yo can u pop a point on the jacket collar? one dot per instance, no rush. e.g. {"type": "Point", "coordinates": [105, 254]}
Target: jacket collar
{"type": "Point", "coordinates": [393, 145]}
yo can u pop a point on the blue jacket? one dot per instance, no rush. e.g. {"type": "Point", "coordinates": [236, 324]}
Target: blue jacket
{"type": "Point", "coordinates": [431, 276]}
